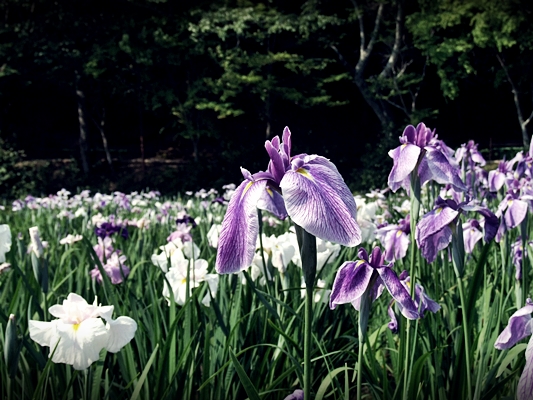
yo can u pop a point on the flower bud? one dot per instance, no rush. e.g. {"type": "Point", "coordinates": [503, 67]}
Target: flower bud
{"type": "Point", "coordinates": [12, 345]}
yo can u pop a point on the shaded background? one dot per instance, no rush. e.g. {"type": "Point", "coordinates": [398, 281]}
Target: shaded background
{"type": "Point", "coordinates": [176, 95]}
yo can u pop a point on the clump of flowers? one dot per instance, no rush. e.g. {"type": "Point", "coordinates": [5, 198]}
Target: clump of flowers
{"type": "Point", "coordinates": [112, 262]}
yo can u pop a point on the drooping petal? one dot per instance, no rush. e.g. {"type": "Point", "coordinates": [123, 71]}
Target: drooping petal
{"type": "Point", "coordinates": [433, 222]}
{"type": "Point", "coordinates": [80, 344]}
{"type": "Point", "coordinates": [272, 202]}
{"type": "Point", "coordinates": [516, 212]}
{"type": "Point", "coordinates": [317, 199]}
{"type": "Point", "coordinates": [240, 227]}
{"type": "Point", "coordinates": [405, 303]}
{"type": "Point", "coordinates": [518, 327]}
{"type": "Point", "coordinates": [442, 171]}
{"type": "Point", "coordinates": [120, 332]}
{"type": "Point", "coordinates": [350, 283]}
{"type": "Point", "coordinates": [396, 243]}
{"type": "Point", "coordinates": [44, 333]}
{"type": "Point", "coordinates": [524, 391]}
{"type": "Point", "coordinates": [471, 235]}
{"type": "Point", "coordinates": [405, 158]}
{"type": "Point", "coordinates": [432, 244]}
{"type": "Point", "coordinates": [496, 180]}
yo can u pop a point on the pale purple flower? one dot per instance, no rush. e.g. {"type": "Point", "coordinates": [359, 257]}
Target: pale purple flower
{"type": "Point", "coordinates": [519, 252]}
{"type": "Point", "coordinates": [114, 269]}
{"type": "Point", "coordinates": [472, 233]}
{"type": "Point", "coordinates": [298, 394]}
{"type": "Point", "coordinates": [395, 239]}
{"type": "Point", "coordinates": [434, 232]}
{"type": "Point", "coordinates": [519, 327]}
{"type": "Point", "coordinates": [513, 210]}
{"type": "Point", "coordinates": [497, 177]}
{"type": "Point", "coordinates": [314, 195]}
{"type": "Point", "coordinates": [183, 233]}
{"type": "Point", "coordinates": [420, 149]}
{"type": "Point", "coordinates": [354, 277]}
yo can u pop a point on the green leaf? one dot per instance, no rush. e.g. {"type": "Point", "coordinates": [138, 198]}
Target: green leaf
{"type": "Point", "coordinates": [251, 391]}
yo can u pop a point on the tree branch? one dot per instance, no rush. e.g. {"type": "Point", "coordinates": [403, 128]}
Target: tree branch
{"type": "Point", "coordinates": [525, 136]}
{"type": "Point", "coordinates": [391, 62]}
{"type": "Point", "coordinates": [365, 52]}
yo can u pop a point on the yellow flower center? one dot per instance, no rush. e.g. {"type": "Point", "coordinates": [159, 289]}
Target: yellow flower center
{"type": "Point", "coordinates": [75, 327]}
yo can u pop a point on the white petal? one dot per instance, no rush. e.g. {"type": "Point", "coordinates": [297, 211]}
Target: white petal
{"type": "Point", "coordinates": [121, 331]}
{"type": "Point", "coordinates": [44, 333]}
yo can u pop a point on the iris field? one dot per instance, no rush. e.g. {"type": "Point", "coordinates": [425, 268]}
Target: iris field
{"type": "Point", "coordinates": [210, 295]}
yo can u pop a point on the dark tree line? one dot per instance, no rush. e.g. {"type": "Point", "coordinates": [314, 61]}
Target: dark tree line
{"type": "Point", "coordinates": [205, 82]}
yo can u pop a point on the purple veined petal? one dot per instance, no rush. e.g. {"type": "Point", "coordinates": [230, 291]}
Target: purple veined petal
{"type": "Point", "coordinates": [275, 166]}
{"type": "Point", "coordinates": [275, 142]}
{"type": "Point", "coordinates": [271, 201]}
{"type": "Point", "coordinates": [516, 212]}
{"type": "Point", "coordinates": [496, 180]}
{"type": "Point", "coordinates": [405, 158]}
{"type": "Point", "coordinates": [398, 292]}
{"type": "Point", "coordinates": [350, 283]}
{"type": "Point", "coordinates": [409, 135]}
{"type": "Point", "coordinates": [317, 199]}
{"type": "Point", "coordinates": [518, 327]}
{"type": "Point", "coordinates": [240, 227]}
{"type": "Point", "coordinates": [442, 171]}
{"type": "Point", "coordinates": [524, 390]}
{"type": "Point", "coordinates": [433, 222]}
{"type": "Point", "coordinates": [432, 244]}
{"type": "Point", "coordinates": [424, 172]}
{"type": "Point", "coordinates": [471, 236]}
{"type": "Point", "coordinates": [375, 292]}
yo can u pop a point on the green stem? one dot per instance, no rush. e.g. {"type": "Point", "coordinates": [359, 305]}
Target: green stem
{"type": "Point", "coordinates": [307, 341]}
{"type": "Point", "coordinates": [466, 336]}
{"type": "Point", "coordinates": [307, 244]}
{"type": "Point", "coordinates": [361, 336]}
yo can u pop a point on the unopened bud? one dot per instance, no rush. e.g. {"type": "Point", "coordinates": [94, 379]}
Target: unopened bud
{"type": "Point", "coordinates": [12, 346]}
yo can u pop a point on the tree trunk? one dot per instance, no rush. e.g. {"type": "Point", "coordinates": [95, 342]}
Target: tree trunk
{"type": "Point", "coordinates": [104, 142]}
{"type": "Point", "coordinates": [83, 127]}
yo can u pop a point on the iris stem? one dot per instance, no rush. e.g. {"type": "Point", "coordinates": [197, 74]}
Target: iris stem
{"type": "Point", "coordinates": [307, 244]}
{"type": "Point", "coordinates": [307, 341]}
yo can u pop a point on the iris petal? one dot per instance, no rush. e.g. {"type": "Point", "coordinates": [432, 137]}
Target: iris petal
{"type": "Point", "coordinates": [442, 171]}
{"type": "Point", "coordinates": [398, 292]}
{"type": "Point", "coordinates": [524, 391]}
{"type": "Point", "coordinates": [518, 327]}
{"type": "Point", "coordinates": [351, 281]}
{"type": "Point", "coordinates": [405, 158]}
{"type": "Point", "coordinates": [240, 228]}
{"type": "Point", "coordinates": [317, 199]}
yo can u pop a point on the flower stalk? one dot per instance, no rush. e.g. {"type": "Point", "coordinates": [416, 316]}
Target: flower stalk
{"type": "Point", "coordinates": [307, 244]}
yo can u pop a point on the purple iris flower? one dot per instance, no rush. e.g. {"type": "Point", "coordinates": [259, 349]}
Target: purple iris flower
{"type": "Point", "coordinates": [519, 252]}
{"type": "Point", "coordinates": [420, 149]}
{"type": "Point", "coordinates": [434, 232]}
{"type": "Point", "coordinates": [513, 210]}
{"type": "Point", "coordinates": [354, 277]}
{"type": "Point", "coordinates": [519, 327]}
{"type": "Point", "coordinates": [422, 301]}
{"type": "Point", "coordinates": [314, 195]}
{"type": "Point", "coordinates": [472, 233]}
{"type": "Point", "coordinates": [395, 239]}
{"type": "Point", "coordinates": [106, 229]}
{"type": "Point", "coordinates": [497, 177]}
{"type": "Point", "coordinates": [186, 219]}
{"type": "Point", "coordinates": [470, 153]}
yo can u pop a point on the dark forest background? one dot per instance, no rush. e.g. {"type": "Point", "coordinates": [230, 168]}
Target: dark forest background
{"type": "Point", "coordinates": [176, 95]}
